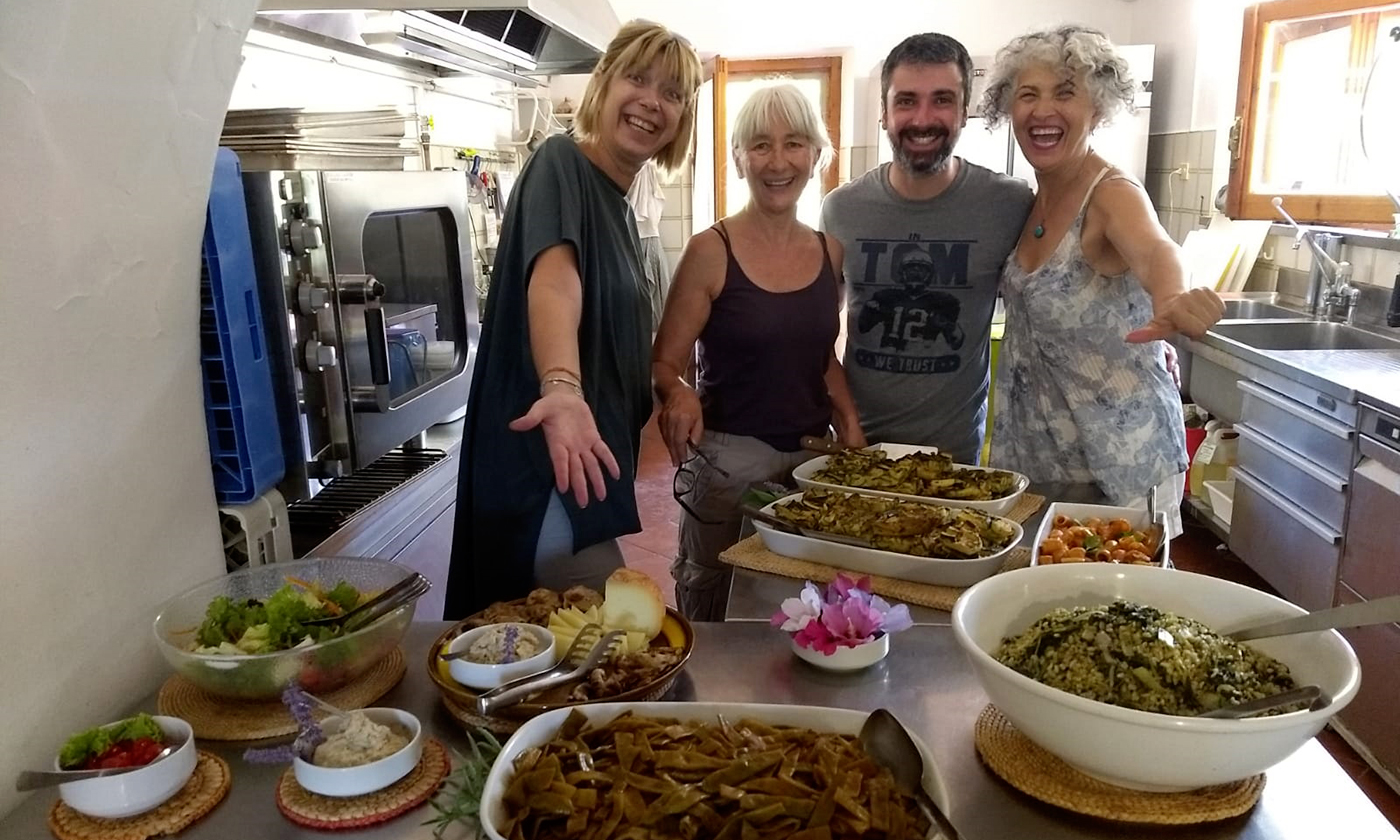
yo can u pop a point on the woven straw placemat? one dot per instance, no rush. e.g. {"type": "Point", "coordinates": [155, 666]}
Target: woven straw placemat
{"type": "Point", "coordinates": [336, 813]}
{"type": "Point", "coordinates": [1028, 505]}
{"type": "Point", "coordinates": [207, 787]}
{"type": "Point", "coordinates": [751, 553]}
{"type": "Point", "coordinates": [224, 719]}
{"type": "Point", "coordinates": [1032, 770]}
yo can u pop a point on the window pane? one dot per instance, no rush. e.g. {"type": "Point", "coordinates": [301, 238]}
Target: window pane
{"type": "Point", "coordinates": [1312, 77]}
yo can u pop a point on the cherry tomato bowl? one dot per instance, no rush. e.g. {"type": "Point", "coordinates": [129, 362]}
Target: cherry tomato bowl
{"type": "Point", "coordinates": [140, 790]}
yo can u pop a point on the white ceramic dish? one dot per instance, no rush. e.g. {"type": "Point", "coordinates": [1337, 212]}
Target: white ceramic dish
{"type": "Point", "coordinates": [846, 658]}
{"type": "Point", "coordinates": [365, 778]}
{"type": "Point", "coordinates": [1143, 750]}
{"type": "Point", "coordinates": [540, 730]}
{"type": "Point", "coordinates": [1222, 498]}
{"type": "Point", "coordinates": [935, 570]}
{"type": "Point", "coordinates": [128, 794]}
{"type": "Point", "coordinates": [997, 507]}
{"type": "Point", "coordinates": [1136, 517]}
{"type": "Point", "coordinates": [481, 676]}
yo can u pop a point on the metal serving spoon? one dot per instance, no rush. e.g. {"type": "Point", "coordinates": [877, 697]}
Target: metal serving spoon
{"type": "Point", "coordinates": [887, 742]}
{"type": "Point", "coordinates": [1313, 695]}
{"type": "Point", "coordinates": [35, 779]}
{"type": "Point", "coordinates": [1380, 611]}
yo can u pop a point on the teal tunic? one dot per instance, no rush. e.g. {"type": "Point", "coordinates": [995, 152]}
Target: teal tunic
{"type": "Point", "coordinates": [505, 477]}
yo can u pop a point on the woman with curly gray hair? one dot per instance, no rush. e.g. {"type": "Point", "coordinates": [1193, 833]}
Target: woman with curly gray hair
{"type": "Point", "coordinates": [1094, 285]}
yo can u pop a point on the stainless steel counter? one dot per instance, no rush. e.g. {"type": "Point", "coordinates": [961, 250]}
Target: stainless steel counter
{"type": "Point", "coordinates": [755, 596]}
{"type": "Point", "coordinates": [1346, 375]}
{"type": "Point", "coordinates": [925, 680]}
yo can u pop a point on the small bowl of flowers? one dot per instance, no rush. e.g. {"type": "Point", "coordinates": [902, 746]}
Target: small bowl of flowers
{"type": "Point", "coordinates": [843, 626]}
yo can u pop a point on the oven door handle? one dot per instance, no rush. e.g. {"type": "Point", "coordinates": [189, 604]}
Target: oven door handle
{"type": "Point", "coordinates": [366, 291]}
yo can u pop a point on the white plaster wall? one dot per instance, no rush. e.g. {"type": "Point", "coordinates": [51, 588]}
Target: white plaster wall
{"type": "Point", "coordinates": [109, 117]}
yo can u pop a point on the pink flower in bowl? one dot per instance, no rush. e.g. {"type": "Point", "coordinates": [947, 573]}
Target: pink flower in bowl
{"type": "Point", "coordinates": [847, 614]}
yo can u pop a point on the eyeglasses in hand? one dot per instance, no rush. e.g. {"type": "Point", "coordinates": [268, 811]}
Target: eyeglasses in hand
{"type": "Point", "coordinates": [684, 481]}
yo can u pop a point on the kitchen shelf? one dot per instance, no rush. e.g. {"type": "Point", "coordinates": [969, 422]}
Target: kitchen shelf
{"type": "Point", "coordinates": [1202, 513]}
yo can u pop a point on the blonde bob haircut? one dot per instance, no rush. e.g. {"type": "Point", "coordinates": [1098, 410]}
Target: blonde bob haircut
{"type": "Point", "coordinates": [638, 45]}
{"type": "Point", "coordinates": [776, 105]}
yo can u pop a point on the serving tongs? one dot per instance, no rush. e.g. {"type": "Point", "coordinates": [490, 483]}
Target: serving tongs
{"type": "Point", "coordinates": [404, 592]}
{"type": "Point", "coordinates": [792, 528]}
{"type": "Point", "coordinates": [571, 666]}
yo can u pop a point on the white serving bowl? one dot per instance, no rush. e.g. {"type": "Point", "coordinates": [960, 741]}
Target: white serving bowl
{"type": "Point", "coordinates": [364, 778]}
{"type": "Point", "coordinates": [1145, 750]}
{"type": "Point", "coordinates": [541, 730]}
{"type": "Point", "coordinates": [482, 676]}
{"type": "Point", "coordinates": [803, 473]}
{"type": "Point", "coordinates": [1137, 517]}
{"type": "Point", "coordinates": [128, 794]}
{"type": "Point", "coordinates": [846, 658]}
{"type": "Point", "coordinates": [938, 571]}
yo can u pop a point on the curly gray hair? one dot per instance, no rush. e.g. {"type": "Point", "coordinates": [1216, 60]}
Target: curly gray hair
{"type": "Point", "coordinates": [1071, 49]}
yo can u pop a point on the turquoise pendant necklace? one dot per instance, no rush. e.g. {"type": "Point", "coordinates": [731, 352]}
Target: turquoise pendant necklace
{"type": "Point", "coordinates": [1039, 230]}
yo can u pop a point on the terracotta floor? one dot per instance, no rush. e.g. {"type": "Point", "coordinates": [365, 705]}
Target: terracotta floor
{"type": "Point", "coordinates": [1197, 550]}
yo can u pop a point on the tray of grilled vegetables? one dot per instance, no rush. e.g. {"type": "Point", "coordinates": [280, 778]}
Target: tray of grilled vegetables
{"type": "Point", "coordinates": [915, 541]}
{"type": "Point", "coordinates": [915, 473]}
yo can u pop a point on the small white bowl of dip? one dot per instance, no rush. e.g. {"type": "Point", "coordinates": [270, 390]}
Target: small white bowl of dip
{"type": "Point", "coordinates": [359, 779]}
{"type": "Point", "coordinates": [488, 675]}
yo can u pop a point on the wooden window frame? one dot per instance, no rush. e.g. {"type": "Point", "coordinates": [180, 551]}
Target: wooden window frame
{"type": "Point", "coordinates": [1365, 211]}
{"type": "Point", "coordinates": [724, 68]}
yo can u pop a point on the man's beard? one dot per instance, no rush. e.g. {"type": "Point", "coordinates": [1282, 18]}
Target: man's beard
{"type": "Point", "coordinates": [922, 164]}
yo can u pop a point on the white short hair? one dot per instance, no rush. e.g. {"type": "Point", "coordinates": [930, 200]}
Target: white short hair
{"type": "Point", "coordinates": [780, 103]}
{"type": "Point", "coordinates": [1069, 50]}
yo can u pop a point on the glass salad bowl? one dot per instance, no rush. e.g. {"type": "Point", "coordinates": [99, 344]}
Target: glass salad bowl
{"type": "Point", "coordinates": [317, 667]}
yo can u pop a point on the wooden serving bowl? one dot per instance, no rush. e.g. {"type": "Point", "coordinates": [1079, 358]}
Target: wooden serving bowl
{"type": "Point", "coordinates": [461, 700]}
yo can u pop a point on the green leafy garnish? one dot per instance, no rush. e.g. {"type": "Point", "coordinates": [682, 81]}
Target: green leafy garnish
{"type": "Point", "coordinates": [1092, 542]}
{"type": "Point", "coordinates": [459, 800]}
{"type": "Point", "coordinates": [79, 748]}
{"type": "Point", "coordinates": [344, 596]}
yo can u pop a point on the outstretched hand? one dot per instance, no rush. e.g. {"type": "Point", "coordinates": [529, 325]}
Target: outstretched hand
{"type": "Point", "coordinates": [1191, 312]}
{"type": "Point", "coordinates": [576, 449]}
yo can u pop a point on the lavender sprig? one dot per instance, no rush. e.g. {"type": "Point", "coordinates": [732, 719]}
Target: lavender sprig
{"type": "Point", "coordinates": [309, 734]}
{"type": "Point", "coordinates": [512, 635]}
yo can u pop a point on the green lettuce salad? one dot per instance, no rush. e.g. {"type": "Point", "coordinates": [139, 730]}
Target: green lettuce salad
{"type": "Point", "coordinates": [96, 741]}
{"type": "Point", "coordinates": [252, 626]}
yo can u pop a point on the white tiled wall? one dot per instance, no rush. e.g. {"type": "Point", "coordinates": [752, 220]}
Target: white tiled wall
{"type": "Point", "coordinates": [1183, 204]}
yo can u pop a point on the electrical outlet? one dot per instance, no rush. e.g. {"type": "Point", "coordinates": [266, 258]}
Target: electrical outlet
{"type": "Point", "coordinates": [1182, 171]}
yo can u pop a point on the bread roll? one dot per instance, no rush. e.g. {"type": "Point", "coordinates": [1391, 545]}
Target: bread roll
{"type": "Point", "coordinates": [632, 601]}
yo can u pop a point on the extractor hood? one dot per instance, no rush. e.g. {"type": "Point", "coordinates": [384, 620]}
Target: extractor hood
{"type": "Point", "coordinates": [505, 38]}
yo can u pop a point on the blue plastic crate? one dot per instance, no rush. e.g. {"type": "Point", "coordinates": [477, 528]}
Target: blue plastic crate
{"type": "Point", "coordinates": [244, 444]}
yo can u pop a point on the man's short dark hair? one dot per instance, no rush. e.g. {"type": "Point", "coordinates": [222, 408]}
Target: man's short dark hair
{"type": "Point", "coordinates": [927, 48]}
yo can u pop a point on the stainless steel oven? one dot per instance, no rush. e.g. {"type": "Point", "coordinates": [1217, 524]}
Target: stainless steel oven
{"type": "Point", "coordinates": [370, 308]}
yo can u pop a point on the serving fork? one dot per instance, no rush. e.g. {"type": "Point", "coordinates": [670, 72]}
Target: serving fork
{"type": "Point", "coordinates": [571, 666]}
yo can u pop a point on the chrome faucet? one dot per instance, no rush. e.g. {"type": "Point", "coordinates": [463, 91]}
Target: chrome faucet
{"type": "Point", "coordinates": [1330, 292]}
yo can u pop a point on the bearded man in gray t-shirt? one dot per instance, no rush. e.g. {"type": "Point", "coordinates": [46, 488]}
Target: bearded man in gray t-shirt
{"type": "Point", "coordinates": [925, 240]}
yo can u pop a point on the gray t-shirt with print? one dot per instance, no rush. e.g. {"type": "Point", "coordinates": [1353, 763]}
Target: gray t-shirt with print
{"type": "Point", "coordinates": [921, 284]}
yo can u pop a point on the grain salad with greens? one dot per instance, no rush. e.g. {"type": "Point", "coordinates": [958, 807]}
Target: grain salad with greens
{"type": "Point", "coordinates": [1142, 658]}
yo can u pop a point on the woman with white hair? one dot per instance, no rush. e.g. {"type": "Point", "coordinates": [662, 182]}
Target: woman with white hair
{"type": "Point", "coordinates": [760, 293]}
{"type": "Point", "coordinates": [1083, 393]}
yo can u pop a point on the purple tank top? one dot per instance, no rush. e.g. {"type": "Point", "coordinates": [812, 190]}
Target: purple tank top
{"type": "Point", "coordinates": [763, 356]}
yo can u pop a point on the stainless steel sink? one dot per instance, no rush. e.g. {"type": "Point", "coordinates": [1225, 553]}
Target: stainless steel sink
{"type": "Point", "coordinates": [1303, 335]}
{"type": "Point", "coordinates": [1256, 310]}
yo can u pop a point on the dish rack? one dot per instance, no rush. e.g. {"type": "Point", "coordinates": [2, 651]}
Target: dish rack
{"type": "Point", "coordinates": [257, 533]}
